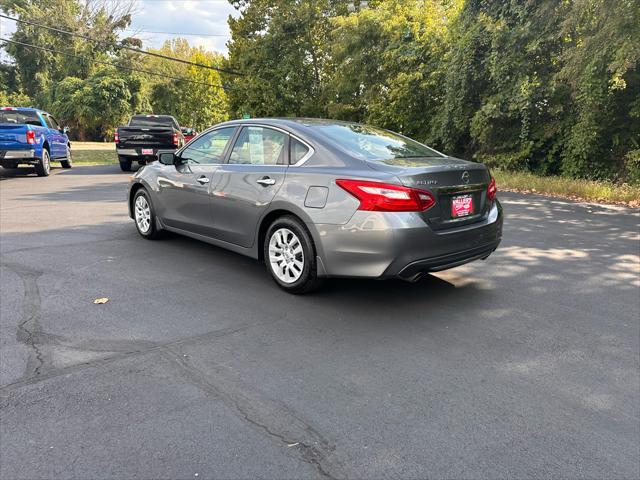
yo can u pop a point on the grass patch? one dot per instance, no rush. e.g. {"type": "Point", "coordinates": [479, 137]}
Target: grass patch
{"type": "Point", "coordinates": [77, 146]}
{"type": "Point", "coordinates": [588, 190]}
{"type": "Point", "coordinates": [95, 157]}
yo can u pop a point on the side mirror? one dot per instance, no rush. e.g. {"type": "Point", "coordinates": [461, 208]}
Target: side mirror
{"type": "Point", "coordinates": [65, 129]}
{"type": "Point", "coordinates": [167, 158]}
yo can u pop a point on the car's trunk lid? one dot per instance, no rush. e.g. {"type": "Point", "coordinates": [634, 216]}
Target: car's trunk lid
{"type": "Point", "coordinates": [450, 180]}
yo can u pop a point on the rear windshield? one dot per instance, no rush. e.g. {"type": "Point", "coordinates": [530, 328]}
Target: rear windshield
{"type": "Point", "coordinates": [374, 144]}
{"type": "Point", "coordinates": [18, 117]}
{"type": "Point", "coordinates": [153, 121]}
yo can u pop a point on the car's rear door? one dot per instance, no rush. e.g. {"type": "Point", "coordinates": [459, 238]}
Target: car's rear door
{"type": "Point", "coordinates": [56, 138]}
{"type": "Point", "coordinates": [184, 189]}
{"type": "Point", "coordinates": [245, 186]}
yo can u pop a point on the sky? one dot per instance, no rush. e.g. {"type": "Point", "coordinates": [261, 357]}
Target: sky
{"type": "Point", "coordinates": [202, 22]}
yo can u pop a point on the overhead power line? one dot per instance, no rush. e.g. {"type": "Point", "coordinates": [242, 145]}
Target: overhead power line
{"type": "Point", "coordinates": [113, 64]}
{"type": "Point", "coordinates": [178, 33]}
{"type": "Point", "coordinates": [132, 49]}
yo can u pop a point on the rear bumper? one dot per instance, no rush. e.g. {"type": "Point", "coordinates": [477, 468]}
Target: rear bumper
{"type": "Point", "coordinates": [24, 154]}
{"type": "Point", "coordinates": [137, 152]}
{"type": "Point", "coordinates": [383, 245]}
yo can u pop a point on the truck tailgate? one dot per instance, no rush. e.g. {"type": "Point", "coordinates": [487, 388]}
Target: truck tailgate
{"type": "Point", "coordinates": [13, 135]}
{"type": "Point", "coordinates": [147, 137]}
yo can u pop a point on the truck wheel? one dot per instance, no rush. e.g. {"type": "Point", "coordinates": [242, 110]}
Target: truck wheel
{"type": "Point", "coordinates": [125, 163]}
{"type": "Point", "coordinates": [67, 163]}
{"type": "Point", "coordinates": [43, 167]}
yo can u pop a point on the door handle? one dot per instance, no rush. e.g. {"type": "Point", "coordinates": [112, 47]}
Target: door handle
{"type": "Point", "coordinates": [266, 181]}
{"type": "Point", "coordinates": [203, 180]}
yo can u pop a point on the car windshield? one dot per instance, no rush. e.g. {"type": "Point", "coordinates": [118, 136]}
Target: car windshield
{"type": "Point", "coordinates": [20, 117]}
{"type": "Point", "coordinates": [375, 144]}
{"type": "Point", "coordinates": [152, 121]}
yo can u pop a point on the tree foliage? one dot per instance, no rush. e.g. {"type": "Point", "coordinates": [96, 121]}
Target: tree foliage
{"type": "Point", "coordinates": [552, 87]}
{"type": "Point", "coordinates": [198, 105]}
{"type": "Point", "coordinates": [541, 85]}
{"type": "Point", "coordinates": [79, 80]}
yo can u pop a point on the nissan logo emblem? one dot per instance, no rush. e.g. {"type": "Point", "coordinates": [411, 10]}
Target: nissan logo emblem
{"type": "Point", "coordinates": [465, 177]}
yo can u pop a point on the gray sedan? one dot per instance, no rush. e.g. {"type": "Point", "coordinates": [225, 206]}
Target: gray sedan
{"type": "Point", "coordinates": [321, 198]}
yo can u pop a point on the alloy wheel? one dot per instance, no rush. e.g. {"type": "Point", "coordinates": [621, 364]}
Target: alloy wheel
{"type": "Point", "coordinates": [143, 214]}
{"type": "Point", "coordinates": [286, 255]}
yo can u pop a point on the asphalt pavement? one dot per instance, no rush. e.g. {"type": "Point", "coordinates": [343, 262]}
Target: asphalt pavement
{"type": "Point", "coordinates": [524, 365]}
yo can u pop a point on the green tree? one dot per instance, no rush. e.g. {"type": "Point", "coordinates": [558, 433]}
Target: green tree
{"type": "Point", "coordinates": [199, 100]}
{"type": "Point", "coordinates": [281, 47]}
{"type": "Point", "coordinates": [38, 70]}
{"type": "Point", "coordinates": [93, 107]}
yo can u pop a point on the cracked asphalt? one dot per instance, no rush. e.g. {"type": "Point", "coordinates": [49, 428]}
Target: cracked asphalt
{"type": "Point", "coordinates": [526, 365]}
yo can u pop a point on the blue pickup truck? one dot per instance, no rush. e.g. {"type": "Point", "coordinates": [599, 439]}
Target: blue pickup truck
{"type": "Point", "coordinates": [31, 136]}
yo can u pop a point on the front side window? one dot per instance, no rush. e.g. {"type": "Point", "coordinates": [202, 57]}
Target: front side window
{"type": "Point", "coordinates": [259, 146]}
{"type": "Point", "coordinates": [208, 148]}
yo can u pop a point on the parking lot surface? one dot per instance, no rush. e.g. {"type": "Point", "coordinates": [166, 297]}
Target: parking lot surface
{"type": "Point", "coordinates": [198, 366]}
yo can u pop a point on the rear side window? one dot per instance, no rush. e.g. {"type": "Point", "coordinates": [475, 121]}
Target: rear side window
{"type": "Point", "coordinates": [16, 117]}
{"type": "Point", "coordinates": [208, 148]}
{"type": "Point", "coordinates": [297, 150]}
{"type": "Point", "coordinates": [53, 122]}
{"type": "Point", "coordinates": [259, 146]}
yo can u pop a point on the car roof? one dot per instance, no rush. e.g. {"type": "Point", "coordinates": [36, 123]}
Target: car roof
{"type": "Point", "coordinates": [147, 115]}
{"type": "Point", "coordinates": [298, 125]}
{"type": "Point", "coordinates": [21, 109]}
{"type": "Point", "coordinates": [291, 121]}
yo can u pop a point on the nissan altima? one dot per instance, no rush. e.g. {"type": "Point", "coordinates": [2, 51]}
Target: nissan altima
{"type": "Point", "coordinates": [321, 198]}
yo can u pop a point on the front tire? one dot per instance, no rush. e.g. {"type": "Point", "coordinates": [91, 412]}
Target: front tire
{"type": "Point", "coordinates": [125, 163]}
{"type": "Point", "coordinates": [43, 167]}
{"type": "Point", "coordinates": [144, 216]}
{"type": "Point", "coordinates": [290, 257]}
{"type": "Point", "coordinates": [67, 163]}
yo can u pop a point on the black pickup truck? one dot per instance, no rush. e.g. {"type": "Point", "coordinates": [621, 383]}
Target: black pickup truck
{"type": "Point", "coordinates": [141, 139]}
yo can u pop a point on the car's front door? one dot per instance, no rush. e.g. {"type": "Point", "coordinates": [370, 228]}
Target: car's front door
{"type": "Point", "coordinates": [184, 188]}
{"type": "Point", "coordinates": [247, 183]}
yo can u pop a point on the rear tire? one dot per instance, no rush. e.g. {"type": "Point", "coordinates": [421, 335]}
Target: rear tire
{"type": "Point", "coordinates": [125, 163]}
{"type": "Point", "coordinates": [67, 163]}
{"type": "Point", "coordinates": [43, 167]}
{"type": "Point", "coordinates": [290, 256]}
{"type": "Point", "coordinates": [144, 215]}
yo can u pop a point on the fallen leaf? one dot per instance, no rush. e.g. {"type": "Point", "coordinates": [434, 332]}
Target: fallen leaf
{"type": "Point", "coordinates": [100, 301]}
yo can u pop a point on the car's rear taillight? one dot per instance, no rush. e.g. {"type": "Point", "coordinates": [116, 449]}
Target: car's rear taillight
{"type": "Point", "coordinates": [492, 189]}
{"type": "Point", "coordinates": [116, 137]}
{"type": "Point", "coordinates": [387, 197]}
{"type": "Point", "coordinates": [31, 137]}
{"type": "Point", "coordinates": [176, 140]}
